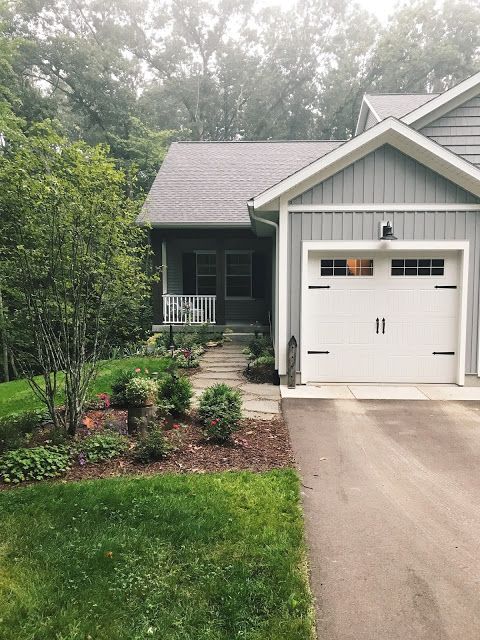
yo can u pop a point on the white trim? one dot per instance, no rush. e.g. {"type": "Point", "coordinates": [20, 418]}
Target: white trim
{"type": "Point", "coordinates": [389, 131]}
{"type": "Point", "coordinates": [283, 271]}
{"type": "Point", "coordinates": [445, 102]}
{"type": "Point", "coordinates": [395, 246]}
{"type": "Point", "coordinates": [363, 115]}
{"type": "Point", "coordinates": [383, 207]}
{"type": "Point", "coordinates": [370, 106]}
{"type": "Point", "coordinates": [164, 268]}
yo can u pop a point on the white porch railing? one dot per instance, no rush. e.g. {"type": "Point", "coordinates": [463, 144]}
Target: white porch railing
{"type": "Point", "coordinates": [180, 309]}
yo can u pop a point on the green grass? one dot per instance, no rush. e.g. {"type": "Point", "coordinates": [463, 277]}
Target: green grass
{"type": "Point", "coordinates": [193, 557]}
{"type": "Point", "coordinates": [17, 396]}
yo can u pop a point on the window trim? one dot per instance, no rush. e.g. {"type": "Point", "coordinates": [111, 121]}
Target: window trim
{"type": "Point", "coordinates": [237, 252]}
{"type": "Point", "coordinates": [215, 275]}
{"type": "Point", "coordinates": [371, 275]}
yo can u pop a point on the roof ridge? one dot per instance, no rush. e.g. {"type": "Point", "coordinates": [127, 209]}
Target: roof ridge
{"type": "Point", "coordinates": [403, 94]}
{"type": "Point", "coordinates": [249, 141]}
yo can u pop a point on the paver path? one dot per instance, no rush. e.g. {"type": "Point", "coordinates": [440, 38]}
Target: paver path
{"type": "Point", "coordinates": [226, 364]}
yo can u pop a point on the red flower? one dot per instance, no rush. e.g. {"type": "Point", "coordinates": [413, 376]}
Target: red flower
{"type": "Point", "coordinates": [137, 370]}
{"type": "Point", "coordinates": [176, 426]}
{"type": "Point", "coordinates": [105, 398]}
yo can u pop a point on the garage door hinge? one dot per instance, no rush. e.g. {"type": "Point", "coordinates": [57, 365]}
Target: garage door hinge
{"type": "Point", "coordinates": [313, 352]}
{"type": "Point", "coordinates": [444, 353]}
{"type": "Point", "coordinates": [317, 286]}
{"type": "Point", "coordinates": [445, 286]}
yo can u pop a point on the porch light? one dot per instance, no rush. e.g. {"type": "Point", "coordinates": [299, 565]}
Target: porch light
{"type": "Point", "coordinates": [388, 232]}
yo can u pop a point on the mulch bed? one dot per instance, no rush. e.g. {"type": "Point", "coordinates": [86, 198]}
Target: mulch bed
{"type": "Point", "coordinates": [259, 445]}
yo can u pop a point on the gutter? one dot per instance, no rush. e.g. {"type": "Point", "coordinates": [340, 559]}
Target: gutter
{"type": "Point", "coordinates": [270, 223]}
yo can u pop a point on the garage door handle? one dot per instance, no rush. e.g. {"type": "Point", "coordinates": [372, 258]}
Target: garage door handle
{"type": "Point", "coordinates": [383, 325]}
{"type": "Point", "coordinates": [378, 323]}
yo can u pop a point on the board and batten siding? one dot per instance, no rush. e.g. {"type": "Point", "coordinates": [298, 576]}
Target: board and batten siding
{"type": "Point", "coordinates": [385, 176]}
{"type": "Point", "coordinates": [459, 130]}
{"type": "Point", "coordinates": [407, 225]}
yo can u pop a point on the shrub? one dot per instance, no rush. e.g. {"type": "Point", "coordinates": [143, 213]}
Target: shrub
{"type": "Point", "coordinates": [259, 346]}
{"type": "Point", "coordinates": [188, 358]}
{"type": "Point", "coordinates": [176, 392]}
{"type": "Point", "coordinates": [220, 411]}
{"type": "Point", "coordinates": [16, 428]}
{"type": "Point", "coordinates": [119, 384]}
{"type": "Point", "coordinates": [153, 446]}
{"type": "Point", "coordinates": [100, 447]}
{"type": "Point", "coordinates": [34, 464]}
{"type": "Point", "coordinates": [141, 392]}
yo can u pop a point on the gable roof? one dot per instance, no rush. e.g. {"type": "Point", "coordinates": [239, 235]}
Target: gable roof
{"type": "Point", "coordinates": [444, 102]}
{"type": "Point", "coordinates": [389, 131]}
{"type": "Point", "coordinates": [384, 105]}
{"type": "Point", "coordinates": [209, 183]}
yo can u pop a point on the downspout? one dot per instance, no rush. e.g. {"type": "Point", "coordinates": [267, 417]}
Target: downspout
{"type": "Point", "coordinates": [270, 223]}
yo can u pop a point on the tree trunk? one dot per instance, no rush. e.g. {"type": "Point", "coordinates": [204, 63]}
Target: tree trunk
{"type": "Point", "coordinates": [3, 341]}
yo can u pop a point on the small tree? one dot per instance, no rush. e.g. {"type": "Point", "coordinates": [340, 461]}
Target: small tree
{"type": "Point", "coordinates": [76, 258]}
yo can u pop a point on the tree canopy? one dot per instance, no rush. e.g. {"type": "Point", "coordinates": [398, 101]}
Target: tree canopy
{"type": "Point", "coordinates": [136, 74]}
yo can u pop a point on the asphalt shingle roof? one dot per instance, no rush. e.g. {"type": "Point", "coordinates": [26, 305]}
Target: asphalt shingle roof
{"type": "Point", "coordinates": [211, 182]}
{"type": "Point", "coordinates": [398, 104]}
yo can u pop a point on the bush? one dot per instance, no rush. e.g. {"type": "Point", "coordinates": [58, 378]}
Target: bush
{"type": "Point", "coordinates": [141, 392]}
{"type": "Point", "coordinates": [34, 464]}
{"type": "Point", "coordinates": [100, 447]}
{"type": "Point", "coordinates": [16, 428]}
{"type": "Point", "coordinates": [119, 384]}
{"type": "Point", "coordinates": [220, 411]}
{"type": "Point", "coordinates": [260, 346]}
{"type": "Point", "coordinates": [153, 446]}
{"type": "Point", "coordinates": [176, 392]}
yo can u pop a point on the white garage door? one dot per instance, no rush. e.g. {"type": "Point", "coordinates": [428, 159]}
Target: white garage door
{"type": "Point", "coordinates": [380, 317]}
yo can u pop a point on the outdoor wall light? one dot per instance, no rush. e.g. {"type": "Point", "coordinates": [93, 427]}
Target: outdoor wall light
{"type": "Point", "coordinates": [387, 232]}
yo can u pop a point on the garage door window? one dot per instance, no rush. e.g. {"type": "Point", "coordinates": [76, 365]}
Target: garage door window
{"type": "Point", "coordinates": [418, 267]}
{"type": "Point", "coordinates": [346, 267]}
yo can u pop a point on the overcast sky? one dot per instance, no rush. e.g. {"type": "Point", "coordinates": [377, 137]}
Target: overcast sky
{"type": "Point", "coordinates": [381, 8]}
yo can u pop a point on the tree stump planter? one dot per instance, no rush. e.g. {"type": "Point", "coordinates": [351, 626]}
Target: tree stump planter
{"type": "Point", "coordinates": [139, 416]}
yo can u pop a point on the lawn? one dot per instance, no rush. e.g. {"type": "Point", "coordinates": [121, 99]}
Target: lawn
{"type": "Point", "coordinates": [17, 396]}
{"type": "Point", "coordinates": [174, 557]}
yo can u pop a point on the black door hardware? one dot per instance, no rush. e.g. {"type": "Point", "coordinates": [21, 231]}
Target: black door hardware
{"type": "Point", "coordinates": [317, 352]}
{"type": "Point", "coordinates": [378, 323]}
{"type": "Point", "coordinates": [383, 325]}
{"type": "Point", "coordinates": [444, 353]}
{"type": "Point", "coordinates": [315, 286]}
{"type": "Point", "coordinates": [445, 286]}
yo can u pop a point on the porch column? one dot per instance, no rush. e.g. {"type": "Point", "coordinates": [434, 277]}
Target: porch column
{"type": "Point", "coordinates": [157, 259]}
{"type": "Point", "coordinates": [220, 310]}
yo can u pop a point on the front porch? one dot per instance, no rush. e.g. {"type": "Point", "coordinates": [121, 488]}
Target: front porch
{"type": "Point", "coordinates": [219, 277]}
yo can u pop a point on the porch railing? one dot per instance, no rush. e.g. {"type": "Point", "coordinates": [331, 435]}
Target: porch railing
{"type": "Point", "coordinates": [180, 309]}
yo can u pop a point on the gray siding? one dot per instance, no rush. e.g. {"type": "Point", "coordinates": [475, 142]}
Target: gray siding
{"type": "Point", "coordinates": [385, 176]}
{"type": "Point", "coordinates": [370, 121]}
{"type": "Point", "coordinates": [408, 225]}
{"type": "Point", "coordinates": [459, 130]}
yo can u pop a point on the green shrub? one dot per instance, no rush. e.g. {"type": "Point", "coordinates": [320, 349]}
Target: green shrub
{"type": "Point", "coordinates": [264, 361]}
{"type": "Point", "coordinates": [220, 411]}
{"type": "Point", "coordinates": [176, 392]}
{"type": "Point", "coordinates": [99, 447]}
{"type": "Point", "coordinates": [153, 446]}
{"type": "Point", "coordinates": [119, 384]}
{"type": "Point", "coordinates": [34, 464]}
{"type": "Point", "coordinates": [259, 346]}
{"type": "Point", "coordinates": [141, 392]}
{"type": "Point", "coordinates": [16, 428]}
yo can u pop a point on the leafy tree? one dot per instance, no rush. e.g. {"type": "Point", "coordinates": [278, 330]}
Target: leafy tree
{"type": "Point", "coordinates": [75, 258]}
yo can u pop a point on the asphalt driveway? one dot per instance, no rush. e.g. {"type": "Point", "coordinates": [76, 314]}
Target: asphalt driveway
{"type": "Point", "coordinates": [392, 502]}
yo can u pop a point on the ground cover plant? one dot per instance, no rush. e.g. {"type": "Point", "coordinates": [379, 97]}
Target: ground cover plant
{"type": "Point", "coordinates": [193, 557]}
{"type": "Point", "coordinates": [261, 365]}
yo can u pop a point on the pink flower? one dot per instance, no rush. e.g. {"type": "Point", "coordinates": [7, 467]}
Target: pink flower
{"type": "Point", "coordinates": [105, 398]}
{"type": "Point", "coordinates": [176, 426]}
{"type": "Point", "coordinates": [137, 370]}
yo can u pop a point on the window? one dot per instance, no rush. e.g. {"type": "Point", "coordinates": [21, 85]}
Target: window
{"type": "Point", "coordinates": [206, 274]}
{"type": "Point", "coordinates": [238, 274]}
{"type": "Point", "coordinates": [418, 267]}
{"type": "Point", "coordinates": [346, 267]}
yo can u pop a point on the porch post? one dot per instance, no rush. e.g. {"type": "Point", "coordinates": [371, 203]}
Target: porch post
{"type": "Point", "coordinates": [157, 257]}
{"type": "Point", "coordinates": [220, 310]}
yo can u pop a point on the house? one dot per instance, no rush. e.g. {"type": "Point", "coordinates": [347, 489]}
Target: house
{"type": "Point", "coordinates": [366, 250]}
